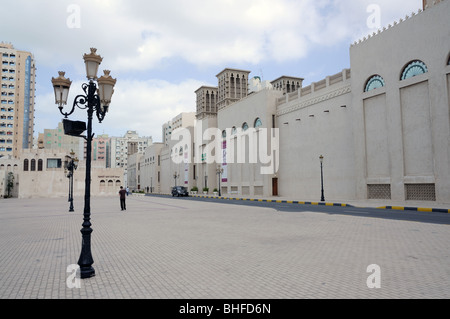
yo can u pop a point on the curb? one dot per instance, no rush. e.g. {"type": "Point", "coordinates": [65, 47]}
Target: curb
{"type": "Point", "coordinates": [417, 209]}
{"type": "Point", "coordinates": [276, 201]}
{"type": "Point", "coordinates": [398, 208]}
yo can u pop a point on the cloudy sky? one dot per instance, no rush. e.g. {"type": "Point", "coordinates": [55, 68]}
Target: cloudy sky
{"type": "Point", "coordinates": [162, 51]}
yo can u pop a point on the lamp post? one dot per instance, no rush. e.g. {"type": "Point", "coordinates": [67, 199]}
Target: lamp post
{"type": "Point", "coordinates": [322, 199]}
{"type": "Point", "coordinates": [96, 99]}
{"type": "Point", "coordinates": [70, 165]}
{"type": "Point", "coordinates": [175, 176]}
{"type": "Point", "coordinates": [219, 172]}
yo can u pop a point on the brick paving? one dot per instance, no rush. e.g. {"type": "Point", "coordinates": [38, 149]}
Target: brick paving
{"type": "Point", "coordinates": [163, 248]}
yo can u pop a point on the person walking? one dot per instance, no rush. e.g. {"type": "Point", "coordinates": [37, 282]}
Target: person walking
{"type": "Point", "coordinates": [123, 196]}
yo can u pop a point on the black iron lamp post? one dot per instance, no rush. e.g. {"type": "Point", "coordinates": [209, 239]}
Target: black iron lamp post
{"type": "Point", "coordinates": [322, 199]}
{"type": "Point", "coordinates": [175, 176]}
{"type": "Point", "coordinates": [96, 99]}
{"type": "Point", "coordinates": [70, 165]}
{"type": "Point", "coordinates": [219, 172]}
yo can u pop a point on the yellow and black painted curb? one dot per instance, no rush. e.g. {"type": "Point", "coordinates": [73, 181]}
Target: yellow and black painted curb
{"type": "Point", "coordinates": [274, 201]}
{"type": "Point", "coordinates": [416, 209]}
{"type": "Point", "coordinates": [399, 208]}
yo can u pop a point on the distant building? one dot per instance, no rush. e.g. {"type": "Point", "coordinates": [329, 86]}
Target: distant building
{"type": "Point", "coordinates": [17, 91]}
{"type": "Point", "coordinates": [101, 150]}
{"type": "Point", "coordinates": [56, 139]}
{"type": "Point", "coordinates": [40, 173]}
{"type": "Point", "coordinates": [123, 147]}
{"type": "Point", "coordinates": [154, 171]}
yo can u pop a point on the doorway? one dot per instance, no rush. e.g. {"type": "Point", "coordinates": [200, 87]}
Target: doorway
{"type": "Point", "coordinates": [274, 186]}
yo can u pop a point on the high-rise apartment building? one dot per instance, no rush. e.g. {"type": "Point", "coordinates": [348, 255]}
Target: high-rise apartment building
{"type": "Point", "coordinates": [17, 89]}
{"type": "Point", "coordinates": [129, 144]}
{"type": "Point", "coordinates": [126, 147]}
{"type": "Point", "coordinates": [101, 151]}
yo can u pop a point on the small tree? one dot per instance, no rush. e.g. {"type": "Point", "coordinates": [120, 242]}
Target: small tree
{"type": "Point", "coordinates": [10, 183]}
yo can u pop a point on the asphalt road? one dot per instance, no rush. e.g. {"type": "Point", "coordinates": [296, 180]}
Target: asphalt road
{"type": "Point", "coordinates": [369, 212]}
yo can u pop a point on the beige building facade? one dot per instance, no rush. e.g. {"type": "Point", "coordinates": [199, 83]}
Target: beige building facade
{"type": "Point", "coordinates": [162, 164]}
{"type": "Point", "coordinates": [56, 139]}
{"type": "Point", "coordinates": [17, 93]}
{"type": "Point", "coordinates": [401, 109]}
{"type": "Point", "coordinates": [40, 173]}
{"type": "Point", "coordinates": [382, 126]}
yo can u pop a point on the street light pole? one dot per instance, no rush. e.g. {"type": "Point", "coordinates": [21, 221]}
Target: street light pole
{"type": "Point", "coordinates": [71, 165]}
{"type": "Point", "coordinates": [322, 199]}
{"type": "Point", "coordinates": [175, 176]}
{"type": "Point", "coordinates": [219, 172]}
{"type": "Point", "coordinates": [94, 100]}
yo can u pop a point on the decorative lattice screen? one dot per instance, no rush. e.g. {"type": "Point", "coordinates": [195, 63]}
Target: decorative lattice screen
{"type": "Point", "coordinates": [379, 191]}
{"type": "Point", "coordinates": [420, 192]}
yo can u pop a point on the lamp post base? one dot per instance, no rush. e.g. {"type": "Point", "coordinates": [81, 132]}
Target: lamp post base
{"type": "Point", "coordinates": [87, 272]}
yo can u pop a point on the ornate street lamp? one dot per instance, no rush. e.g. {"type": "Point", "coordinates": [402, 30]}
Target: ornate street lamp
{"type": "Point", "coordinates": [322, 199]}
{"type": "Point", "coordinates": [219, 172]}
{"type": "Point", "coordinates": [93, 100]}
{"type": "Point", "coordinates": [70, 165]}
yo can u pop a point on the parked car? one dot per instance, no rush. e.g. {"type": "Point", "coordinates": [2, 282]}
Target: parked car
{"type": "Point", "coordinates": [179, 191]}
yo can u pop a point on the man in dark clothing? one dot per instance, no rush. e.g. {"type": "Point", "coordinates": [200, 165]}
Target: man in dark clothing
{"type": "Point", "coordinates": [123, 196]}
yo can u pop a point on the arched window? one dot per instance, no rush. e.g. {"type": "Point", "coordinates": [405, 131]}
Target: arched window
{"type": "Point", "coordinates": [375, 82]}
{"type": "Point", "coordinates": [110, 183]}
{"type": "Point", "coordinates": [414, 68]}
{"type": "Point", "coordinates": [245, 126]}
{"type": "Point", "coordinates": [40, 165]}
{"type": "Point", "coordinates": [224, 134]}
{"type": "Point", "coordinates": [181, 151]}
{"type": "Point", "coordinates": [258, 123]}
{"type": "Point", "coordinates": [25, 165]}
{"type": "Point", "coordinates": [233, 130]}
{"type": "Point", "coordinates": [33, 165]}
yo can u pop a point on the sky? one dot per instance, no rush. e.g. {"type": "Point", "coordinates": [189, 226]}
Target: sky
{"type": "Point", "coordinates": [161, 52]}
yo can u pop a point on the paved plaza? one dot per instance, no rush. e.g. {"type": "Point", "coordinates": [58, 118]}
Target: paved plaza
{"type": "Point", "coordinates": [165, 248]}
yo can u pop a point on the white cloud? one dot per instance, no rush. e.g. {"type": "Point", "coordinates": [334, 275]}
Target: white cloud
{"type": "Point", "coordinates": [139, 36]}
{"type": "Point", "coordinates": [138, 105]}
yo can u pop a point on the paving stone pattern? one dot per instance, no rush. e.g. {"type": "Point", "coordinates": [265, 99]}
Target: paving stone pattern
{"type": "Point", "coordinates": [164, 248]}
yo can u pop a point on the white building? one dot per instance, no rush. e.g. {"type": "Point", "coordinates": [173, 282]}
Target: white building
{"type": "Point", "coordinates": [155, 170]}
{"type": "Point", "coordinates": [129, 144]}
{"type": "Point", "coordinates": [382, 126]}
